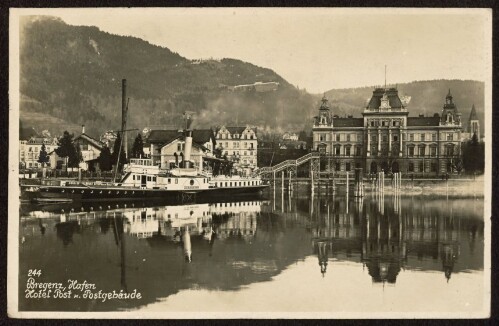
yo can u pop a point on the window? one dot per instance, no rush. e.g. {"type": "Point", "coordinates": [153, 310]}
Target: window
{"type": "Point", "coordinates": [421, 151]}
{"type": "Point", "coordinates": [338, 137]}
{"type": "Point", "coordinates": [433, 167]}
{"type": "Point", "coordinates": [450, 150]}
{"type": "Point", "coordinates": [410, 168]}
{"type": "Point", "coordinates": [434, 137]}
{"type": "Point", "coordinates": [372, 123]}
{"type": "Point", "coordinates": [410, 151]}
{"type": "Point", "coordinates": [321, 138]}
{"type": "Point", "coordinates": [395, 138]}
{"type": "Point", "coordinates": [396, 123]}
{"type": "Point", "coordinates": [374, 138]}
{"type": "Point", "coordinates": [422, 137]}
{"type": "Point", "coordinates": [348, 137]}
{"type": "Point", "coordinates": [148, 178]}
{"type": "Point", "coordinates": [179, 147]}
{"type": "Point", "coordinates": [347, 150]}
{"type": "Point", "coordinates": [421, 166]}
{"type": "Point", "coordinates": [358, 151]}
{"type": "Point", "coordinates": [337, 150]}
{"type": "Point", "coordinates": [223, 136]}
{"type": "Point", "coordinates": [383, 123]}
{"type": "Point", "coordinates": [433, 151]}
{"type": "Point", "coordinates": [347, 166]}
{"type": "Point", "coordinates": [411, 137]}
{"type": "Point", "coordinates": [385, 138]}
{"type": "Point", "coordinates": [450, 136]}
{"type": "Point", "coordinates": [403, 136]}
{"type": "Point", "coordinates": [337, 166]}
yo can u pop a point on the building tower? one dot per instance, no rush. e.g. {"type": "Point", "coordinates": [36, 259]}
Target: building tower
{"type": "Point", "coordinates": [450, 115]}
{"type": "Point", "coordinates": [324, 118]}
{"type": "Point", "coordinates": [474, 124]}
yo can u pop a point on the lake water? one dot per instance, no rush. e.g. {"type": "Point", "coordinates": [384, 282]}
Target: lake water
{"type": "Point", "coordinates": [288, 253]}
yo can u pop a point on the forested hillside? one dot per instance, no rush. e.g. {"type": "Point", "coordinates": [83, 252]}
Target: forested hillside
{"type": "Point", "coordinates": [71, 75]}
{"type": "Point", "coordinates": [74, 73]}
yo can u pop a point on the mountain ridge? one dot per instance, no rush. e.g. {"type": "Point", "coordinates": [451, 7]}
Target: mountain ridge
{"type": "Point", "coordinates": [73, 74]}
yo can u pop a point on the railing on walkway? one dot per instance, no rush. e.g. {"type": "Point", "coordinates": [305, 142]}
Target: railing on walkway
{"type": "Point", "coordinates": [288, 163]}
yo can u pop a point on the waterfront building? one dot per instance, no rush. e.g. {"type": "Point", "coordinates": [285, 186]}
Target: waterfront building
{"type": "Point", "coordinates": [239, 144]}
{"type": "Point", "coordinates": [90, 148]}
{"type": "Point", "coordinates": [29, 150]}
{"type": "Point", "coordinates": [387, 139]}
{"type": "Point", "coordinates": [167, 147]}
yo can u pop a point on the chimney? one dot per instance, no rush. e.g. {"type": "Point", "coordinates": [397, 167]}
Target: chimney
{"type": "Point", "coordinates": [188, 147]}
{"type": "Point", "coordinates": [82, 129]}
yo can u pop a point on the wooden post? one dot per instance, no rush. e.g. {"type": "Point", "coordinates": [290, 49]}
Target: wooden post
{"type": "Point", "coordinates": [282, 179]}
{"type": "Point", "coordinates": [347, 182]}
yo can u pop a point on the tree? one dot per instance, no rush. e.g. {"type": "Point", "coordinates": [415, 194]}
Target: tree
{"type": "Point", "coordinates": [105, 163]}
{"type": "Point", "coordinates": [74, 161]}
{"type": "Point", "coordinates": [473, 155]}
{"type": "Point", "coordinates": [66, 148]}
{"type": "Point", "coordinates": [138, 147]}
{"type": "Point", "coordinates": [116, 150]}
{"type": "Point", "coordinates": [43, 158]}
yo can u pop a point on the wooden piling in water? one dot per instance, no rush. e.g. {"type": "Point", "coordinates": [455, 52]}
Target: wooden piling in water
{"type": "Point", "coordinates": [359, 184]}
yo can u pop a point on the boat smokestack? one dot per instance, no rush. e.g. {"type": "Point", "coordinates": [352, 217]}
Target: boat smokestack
{"type": "Point", "coordinates": [188, 139]}
{"type": "Point", "coordinates": [124, 115]}
{"type": "Point", "coordinates": [188, 145]}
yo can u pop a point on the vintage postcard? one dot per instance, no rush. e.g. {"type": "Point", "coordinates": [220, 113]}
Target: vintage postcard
{"type": "Point", "coordinates": [249, 163]}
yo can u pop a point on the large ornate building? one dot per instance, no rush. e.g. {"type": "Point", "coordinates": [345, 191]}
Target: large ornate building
{"type": "Point", "coordinates": [387, 138]}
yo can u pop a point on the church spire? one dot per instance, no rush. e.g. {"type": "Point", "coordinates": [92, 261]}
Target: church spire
{"type": "Point", "coordinates": [473, 115]}
{"type": "Point", "coordinates": [448, 98]}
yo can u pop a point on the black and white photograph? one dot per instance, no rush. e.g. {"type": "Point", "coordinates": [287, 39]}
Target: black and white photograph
{"type": "Point", "coordinates": [249, 163]}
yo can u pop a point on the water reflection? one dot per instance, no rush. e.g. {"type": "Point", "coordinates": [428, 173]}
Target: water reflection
{"type": "Point", "coordinates": [162, 250]}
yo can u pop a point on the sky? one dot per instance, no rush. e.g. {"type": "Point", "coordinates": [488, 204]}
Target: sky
{"type": "Point", "coordinates": [317, 48]}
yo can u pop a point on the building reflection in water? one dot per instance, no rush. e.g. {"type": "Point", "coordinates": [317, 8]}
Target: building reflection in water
{"type": "Point", "coordinates": [385, 237]}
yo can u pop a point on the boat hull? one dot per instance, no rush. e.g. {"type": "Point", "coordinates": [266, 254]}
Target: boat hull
{"type": "Point", "coordinates": [85, 193]}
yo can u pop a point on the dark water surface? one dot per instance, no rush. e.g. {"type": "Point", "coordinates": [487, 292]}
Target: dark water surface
{"type": "Point", "coordinates": [291, 253]}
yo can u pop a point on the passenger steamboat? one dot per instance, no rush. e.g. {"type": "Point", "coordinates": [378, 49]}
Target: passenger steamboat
{"type": "Point", "coordinates": [144, 180]}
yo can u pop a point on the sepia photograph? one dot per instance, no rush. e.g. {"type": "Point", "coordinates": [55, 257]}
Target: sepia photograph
{"type": "Point", "coordinates": [194, 163]}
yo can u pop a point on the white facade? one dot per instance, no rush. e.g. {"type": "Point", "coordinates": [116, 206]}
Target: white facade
{"type": "Point", "coordinates": [29, 151]}
{"type": "Point", "coordinates": [239, 144]}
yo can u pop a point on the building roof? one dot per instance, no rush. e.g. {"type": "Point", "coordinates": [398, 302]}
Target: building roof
{"type": "Point", "coordinates": [235, 130]}
{"type": "Point", "coordinates": [473, 115]}
{"type": "Point", "coordinates": [96, 143]}
{"type": "Point", "coordinates": [348, 122]}
{"type": "Point", "coordinates": [162, 136]}
{"type": "Point", "coordinates": [423, 121]}
{"type": "Point", "coordinates": [202, 136]}
{"type": "Point", "coordinates": [393, 98]}
{"type": "Point", "coordinates": [199, 136]}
